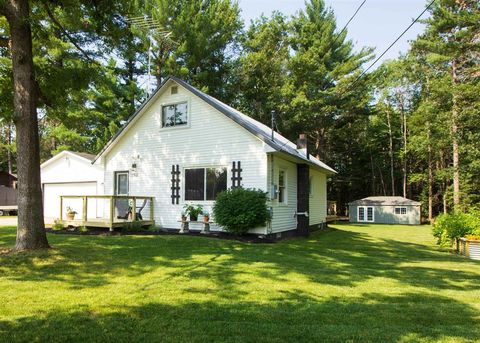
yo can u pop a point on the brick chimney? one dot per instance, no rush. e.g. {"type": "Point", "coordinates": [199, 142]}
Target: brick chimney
{"type": "Point", "coordinates": [302, 145]}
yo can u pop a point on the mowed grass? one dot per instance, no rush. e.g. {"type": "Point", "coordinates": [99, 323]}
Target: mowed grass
{"type": "Point", "coordinates": [354, 283]}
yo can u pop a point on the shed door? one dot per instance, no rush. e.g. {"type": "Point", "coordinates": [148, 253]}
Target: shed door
{"type": "Point", "coordinates": [51, 198]}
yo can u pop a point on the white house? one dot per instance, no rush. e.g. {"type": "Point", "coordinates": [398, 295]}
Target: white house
{"type": "Point", "coordinates": [184, 146]}
{"type": "Point", "coordinates": [69, 173]}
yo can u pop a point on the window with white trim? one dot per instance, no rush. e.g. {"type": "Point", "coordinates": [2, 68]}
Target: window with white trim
{"type": "Point", "coordinates": [400, 210]}
{"type": "Point", "coordinates": [281, 186]}
{"type": "Point", "coordinates": [365, 214]}
{"type": "Point", "coordinates": [204, 183]}
{"type": "Point", "coordinates": [121, 183]}
{"type": "Point", "coordinates": [175, 115]}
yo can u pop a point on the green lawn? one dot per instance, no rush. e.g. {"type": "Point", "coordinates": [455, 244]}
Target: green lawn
{"type": "Point", "coordinates": [354, 283]}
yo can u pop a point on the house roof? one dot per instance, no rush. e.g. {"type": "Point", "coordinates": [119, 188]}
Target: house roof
{"type": "Point", "coordinates": [385, 201]}
{"type": "Point", "coordinates": [261, 131]}
{"type": "Point", "coordinates": [83, 155]}
{"type": "Point", "coordinates": [90, 157]}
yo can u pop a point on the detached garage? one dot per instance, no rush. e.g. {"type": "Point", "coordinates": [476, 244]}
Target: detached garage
{"type": "Point", "coordinates": [385, 210]}
{"type": "Point", "coordinates": [69, 173]}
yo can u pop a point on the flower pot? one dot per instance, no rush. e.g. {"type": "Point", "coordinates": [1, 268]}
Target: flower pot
{"type": "Point", "coordinates": [474, 249]}
{"type": "Point", "coordinates": [470, 248]}
{"type": "Point", "coordinates": [184, 218]}
{"type": "Point", "coordinates": [193, 218]}
{"type": "Point", "coordinates": [70, 216]}
{"type": "Point", "coordinates": [206, 219]}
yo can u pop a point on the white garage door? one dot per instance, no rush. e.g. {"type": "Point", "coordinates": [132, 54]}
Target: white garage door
{"type": "Point", "coordinates": [51, 198]}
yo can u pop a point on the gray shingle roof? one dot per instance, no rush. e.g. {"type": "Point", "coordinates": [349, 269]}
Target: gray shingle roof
{"type": "Point", "coordinates": [90, 157]}
{"type": "Point", "coordinates": [385, 201]}
{"type": "Point", "coordinates": [263, 132]}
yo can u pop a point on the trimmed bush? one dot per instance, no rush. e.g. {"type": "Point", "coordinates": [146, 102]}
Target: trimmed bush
{"type": "Point", "coordinates": [238, 210]}
{"type": "Point", "coordinates": [133, 226]}
{"type": "Point", "coordinates": [449, 227]}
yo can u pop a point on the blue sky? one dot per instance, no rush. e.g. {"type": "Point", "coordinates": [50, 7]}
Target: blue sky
{"type": "Point", "coordinates": [376, 25]}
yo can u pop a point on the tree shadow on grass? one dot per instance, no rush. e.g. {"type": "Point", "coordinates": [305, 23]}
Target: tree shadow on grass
{"type": "Point", "coordinates": [295, 317]}
{"type": "Point", "coordinates": [340, 258]}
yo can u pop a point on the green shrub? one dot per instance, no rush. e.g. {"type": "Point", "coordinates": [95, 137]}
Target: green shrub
{"type": "Point", "coordinates": [133, 226]}
{"type": "Point", "coordinates": [448, 227]}
{"type": "Point", "coordinates": [82, 229]}
{"type": "Point", "coordinates": [57, 225]}
{"type": "Point", "coordinates": [238, 210]}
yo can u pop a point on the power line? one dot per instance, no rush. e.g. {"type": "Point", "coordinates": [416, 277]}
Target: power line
{"type": "Point", "coordinates": [391, 45]}
{"type": "Point", "coordinates": [348, 22]}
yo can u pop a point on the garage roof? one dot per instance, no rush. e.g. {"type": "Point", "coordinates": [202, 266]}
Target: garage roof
{"type": "Point", "coordinates": [385, 201]}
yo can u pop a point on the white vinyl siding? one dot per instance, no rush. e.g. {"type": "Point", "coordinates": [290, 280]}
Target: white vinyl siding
{"type": "Point", "coordinates": [318, 197]}
{"type": "Point", "coordinates": [68, 174]}
{"type": "Point", "coordinates": [284, 213]}
{"type": "Point", "coordinates": [210, 140]}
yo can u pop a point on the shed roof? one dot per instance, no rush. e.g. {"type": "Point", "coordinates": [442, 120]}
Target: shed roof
{"type": "Point", "coordinates": [261, 131]}
{"type": "Point", "coordinates": [385, 201]}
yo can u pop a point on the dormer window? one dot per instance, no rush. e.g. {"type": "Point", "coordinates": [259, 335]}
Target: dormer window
{"type": "Point", "coordinates": [174, 115]}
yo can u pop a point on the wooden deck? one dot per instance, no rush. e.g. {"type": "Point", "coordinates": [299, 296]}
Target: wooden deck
{"type": "Point", "coordinates": [107, 212]}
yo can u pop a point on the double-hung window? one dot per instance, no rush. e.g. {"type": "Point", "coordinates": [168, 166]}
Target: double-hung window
{"type": "Point", "coordinates": [175, 115]}
{"type": "Point", "coordinates": [204, 183]}
{"type": "Point", "coordinates": [400, 210]}
{"type": "Point", "coordinates": [365, 214]}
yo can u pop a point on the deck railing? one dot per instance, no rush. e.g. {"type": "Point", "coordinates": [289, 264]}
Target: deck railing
{"type": "Point", "coordinates": [107, 210]}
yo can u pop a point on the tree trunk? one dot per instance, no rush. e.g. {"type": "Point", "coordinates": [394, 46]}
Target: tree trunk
{"type": "Point", "coordinates": [456, 160]}
{"type": "Point", "coordinates": [430, 179]}
{"type": "Point", "coordinates": [372, 168]}
{"type": "Point", "coordinates": [9, 149]}
{"type": "Point", "coordinates": [390, 151]}
{"type": "Point", "coordinates": [404, 165]}
{"type": "Point", "coordinates": [31, 229]}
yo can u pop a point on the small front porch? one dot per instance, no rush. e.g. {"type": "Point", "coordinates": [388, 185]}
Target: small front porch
{"type": "Point", "coordinates": [106, 211]}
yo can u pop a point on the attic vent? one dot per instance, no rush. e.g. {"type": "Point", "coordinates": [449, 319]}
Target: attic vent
{"type": "Point", "coordinates": [174, 90]}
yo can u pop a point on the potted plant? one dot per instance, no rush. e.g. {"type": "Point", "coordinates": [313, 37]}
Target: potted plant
{"type": "Point", "coordinates": [206, 217]}
{"type": "Point", "coordinates": [193, 211]}
{"type": "Point", "coordinates": [71, 213]}
{"type": "Point", "coordinates": [184, 217]}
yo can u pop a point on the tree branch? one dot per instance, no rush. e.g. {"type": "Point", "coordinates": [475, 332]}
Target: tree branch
{"type": "Point", "coordinates": [64, 31]}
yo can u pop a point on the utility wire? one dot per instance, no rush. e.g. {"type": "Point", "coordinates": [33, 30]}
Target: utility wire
{"type": "Point", "coordinates": [348, 22]}
{"type": "Point", "coordinates": [331, 47]}
{"type": "Point", "coordinates": [393, 43]}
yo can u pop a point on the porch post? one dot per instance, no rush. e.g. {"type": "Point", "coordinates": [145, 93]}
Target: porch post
{"type": "Point", "coordinates": [112, 203]}
{"type": "Point", "coordinates": [134, 209]}
{"type": "Point", "coordinates": [151, 208]}
{"type": "Point", "coordinates": [84, 212]}
{"type": "Point", "coordinates": [61, 207]}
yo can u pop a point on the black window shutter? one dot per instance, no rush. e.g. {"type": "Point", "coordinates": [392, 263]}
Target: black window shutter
{"type": "Point", "coordinates": [175, 184]}
{"type": "Point", "coordinates": [236, 174]}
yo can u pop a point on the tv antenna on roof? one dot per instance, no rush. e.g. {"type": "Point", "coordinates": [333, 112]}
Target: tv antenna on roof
{"type": "Point", "coordinates": [153, 28]}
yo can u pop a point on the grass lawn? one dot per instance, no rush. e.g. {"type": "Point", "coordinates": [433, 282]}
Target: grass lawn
{"type": "Point", "coordinates": [355, 283]}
